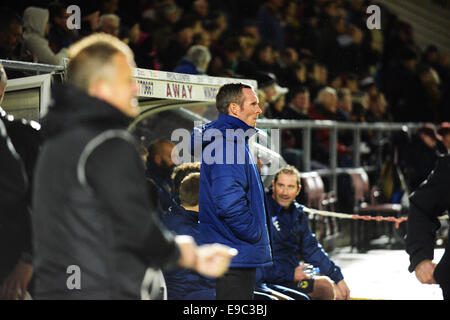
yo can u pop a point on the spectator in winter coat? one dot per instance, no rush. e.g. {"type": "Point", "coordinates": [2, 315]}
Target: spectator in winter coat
{"type": "Point", "coordinates": [36, 28]}
{"type": "Point", "coordinates": [196, 61]}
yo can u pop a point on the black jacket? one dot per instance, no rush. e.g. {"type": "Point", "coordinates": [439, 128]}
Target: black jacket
{"type": "Point", "coordinates": [429, 202]}
{"type": "Point", "coordinates": [90, 205]}
{"type": "Point", "coordinates": [14, 211]}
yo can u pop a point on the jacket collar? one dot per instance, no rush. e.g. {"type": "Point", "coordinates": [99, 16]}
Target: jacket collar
{"type": "Point", "coordinates": [234, 122]}
{"type": "Point", "coordinates": [71, 107]}
{"type": "Point", "coordinates": [179, 210]}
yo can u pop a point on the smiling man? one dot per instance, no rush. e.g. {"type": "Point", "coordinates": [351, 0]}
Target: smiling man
{"type": "Point", "coordinates": [292, 236]}
{"type": "Point", "coordinates": [231, 194]}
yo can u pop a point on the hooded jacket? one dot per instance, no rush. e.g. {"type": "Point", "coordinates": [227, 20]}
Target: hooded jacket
{"type": "Point", "coordinates": [186, 284]}
{"type": "Point", "coordinates": [91, 209]}
{"type": "Point", "coordinates": [292, 236]}
{"type": "Point", "coordinates": [232, 202]}
{"type": "Point", "coordinates": [34, 23]}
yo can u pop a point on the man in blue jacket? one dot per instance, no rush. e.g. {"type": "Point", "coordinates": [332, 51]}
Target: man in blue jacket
{"type": "Point", "coordinates": [231, 194]}
{"type": "Point", "coordinates": [292, 236]}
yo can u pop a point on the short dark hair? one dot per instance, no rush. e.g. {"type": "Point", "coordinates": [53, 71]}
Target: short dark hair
{"type": "Point", "coordinates": [230, 93]}
{"type": "Point", "coordinates": [181, 171]}
{"type": "Point", "coordinates": [156, 147]}
{"type": "Point", "coordinates": [189, 189]}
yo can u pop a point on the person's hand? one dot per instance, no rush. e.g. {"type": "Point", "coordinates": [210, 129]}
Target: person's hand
{"type": "Point", "coordinates": [15, 285]}
{"type": "Point", "coordinates": [299, 274]}
{"type": "Point", "coordinates": [342, 291]}
{"type": "Point", "coordinates": [424, 272]}
{"type": "Point", "coordinates": [213, 260]}
{"type": "Point", "coordinates": [188, 251]}
{"type": "Point", "coordinates": [210, 260]}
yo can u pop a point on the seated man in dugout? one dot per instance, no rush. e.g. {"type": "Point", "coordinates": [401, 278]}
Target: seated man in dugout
{"type": "Point", "coordinates": [291, 236]}
{"type": "Point", "coordinates": [183, 220]}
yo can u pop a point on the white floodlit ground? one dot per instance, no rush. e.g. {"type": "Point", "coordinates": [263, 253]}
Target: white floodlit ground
{"type": "Point", "coordinates": [383, 274]}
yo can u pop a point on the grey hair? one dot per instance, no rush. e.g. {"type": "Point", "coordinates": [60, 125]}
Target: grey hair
{"type": "Point", "coordinates": [199, 56]}
{"type": "Point", "coordinates": [111, 16]}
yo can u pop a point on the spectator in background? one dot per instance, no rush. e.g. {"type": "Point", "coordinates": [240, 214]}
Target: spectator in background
{"type": "Point", "coordinates": [159, 170]}
{"type": "Point", "coordinates": [377, 109]}
{"type": "Point", "coordinates": [326, 109]}
{"type": "Point", "coordinates": [226, 62]}
{"type": "Point", "coordinates": [108, 6]}
{"type": "Point", "coordinates": [199, 10]}
{"type": "Point", "coordinates": [183, 220]}
{"type": "Point", "coordinates": [178, 45]}
{"type": "Point", "coordinates": [196, 61]}
{"type": "Point", "coordinates": [264, 58]}
{"type": "Point", "coordinates": [344, 104]}
{"type": "Point", "coordinates": [270, 23]}
{"type": "Point", "coordinates": [60, 36]}
{"type": "Point", "coordinates": [36, 25]}
{"type": "Point", "coordinates": [110, 24]}
{"type": "Point", "coordinates": [10, 34]}
{"type": "Point", "coordinates": [297, 109]}
{"type": "Point", "coordinates": [166, 17]}
{"type": "Point", "coordinates": [444, 133]}
{"type": "Point", "coordinates": [90, 19]}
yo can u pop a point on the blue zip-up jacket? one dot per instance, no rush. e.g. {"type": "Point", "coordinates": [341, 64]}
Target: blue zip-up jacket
{"type": "Point", "coordinates": [184, 284]}
{"type": "Point", "coordinates": [231, 194]}
{"type": "Point", "coordinates": [292, 235]}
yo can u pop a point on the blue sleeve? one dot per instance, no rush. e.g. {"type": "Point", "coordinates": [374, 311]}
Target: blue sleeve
{"type": "Point", "coordinates": [229, 194]}
{"type": "Point", "coordinates": [314, 254]}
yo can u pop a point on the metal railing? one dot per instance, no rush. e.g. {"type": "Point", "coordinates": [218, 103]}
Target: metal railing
{"type": "Point", "coordinates": [38, 68]}
{"type": "Point", "coordinates": [334, 127]}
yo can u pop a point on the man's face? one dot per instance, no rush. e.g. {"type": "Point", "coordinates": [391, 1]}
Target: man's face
{"type": "Point", "coordinates": [249, 110]}
{"type": "Point", "coordinates": [121, 89]}
{"type": "Point", "coordinates": [446, 140]}
{"type": "Point", "coordinates": [301, 101]}
{"type": "Point", "coordinates": [166, 157]}
{"type": "Point", "coordinates": [285, 189]}
{"type": "Point", "coordinates": [11, 38]}
{"type": "Point", "coordinates": [330, 102]}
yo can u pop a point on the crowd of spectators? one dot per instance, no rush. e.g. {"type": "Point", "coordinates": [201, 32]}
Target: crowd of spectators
{"type": "Point", "coordinates": [303, 43]}
{"type": "Point", "coordinates": [312, 59]}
